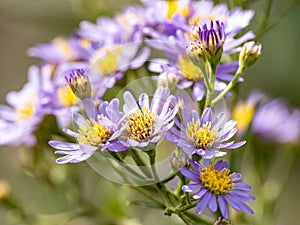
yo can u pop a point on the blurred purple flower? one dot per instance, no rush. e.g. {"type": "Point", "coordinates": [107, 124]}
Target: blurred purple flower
{"type": "Point", "coordinates": [27, 109]}
{"type": "Point", "coordinates": [275, 122]}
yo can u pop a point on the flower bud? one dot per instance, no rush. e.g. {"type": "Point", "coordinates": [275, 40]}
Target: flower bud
{"type": "Point", "coordinates": [208, 43]}
{"type": "Point", "coordinates": [249, 54]}
{"type": "Point", "coordinates": [79, 83]}
{"type": "Point", "coordinates": [178, 160]}
{"type": "Point", "coordinates": [167, 79]}
{"type": "Point", "coordinates": [222, 221]}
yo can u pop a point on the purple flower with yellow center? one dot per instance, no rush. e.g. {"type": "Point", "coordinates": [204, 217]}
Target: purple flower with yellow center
{"type": "Point", "coordinates": [108, 64]}
{"type": "Point", "coordinates": [203, 135]}
{"type": "Point", "coordinates": [98, 132]}
{"type": "Point", "coordinates": [216, 187]}
{"type": "Point", "coordinates": [145, 123]}
{"type": "Point", "coordinates": [275, 121]}
{"type": "Point", "coordinates": [27, 109]}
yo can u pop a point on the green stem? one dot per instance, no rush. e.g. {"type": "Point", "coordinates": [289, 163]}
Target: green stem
{"type": "Point", "coordinates": [198, 219]}
{"type": "Point", "coordinates": [230, 85]}
{"type": "Point", "coordinates": [185, 207]}
{"type": "Point", "coordinates": [126, 167]}
{"type": "Point", "coordinates": [264, 17]}
{"type": "Point", "coordinates": [210, 87]}
{"type": "Point", "coordinates": [140, 162]}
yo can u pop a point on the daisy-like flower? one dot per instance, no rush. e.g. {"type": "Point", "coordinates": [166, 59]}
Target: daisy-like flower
{"type": "Point", "coordinates": [109, 63]}
{"type": "Point", "coordinates": [203, 136]}
{"type": "Point", "coordinates": [277, 122]}
{"type": "Point", "coordinates": [216, 187]}
{"type": "Point", "coordinates": [27, 109]}
{"type": "Point", "coordinates": [144, 123]}
{"type": "Point", "coordinates": [98, 132]}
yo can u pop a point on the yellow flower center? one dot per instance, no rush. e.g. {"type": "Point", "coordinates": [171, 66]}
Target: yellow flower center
{"type": "Point", "coordinates": [202, 137]}
{"type": "Point", "coordinates": [217, 182]}
{"type": "Point", "coordinates": [93, 133]}
{"type": "Point", "coordinates": [66, 96]}
{"type": "Point", "coordinates": [243, 114]}
{"type": "Point", "coordinates": [141, 124]}
{"type": "Point", "coordinates": [105, 60]}
{"type": "Point", "coordinates": [64, 46]}
{"type": "Point", "coordinates": [174, 8]}
{"type": "Point", "coordinates": [25, 112]}
{"type": "Point", "coordinates": [189, 70]}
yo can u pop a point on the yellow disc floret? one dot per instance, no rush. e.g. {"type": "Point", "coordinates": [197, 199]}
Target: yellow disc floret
{"type": "Point", "coordinates": [201, 137]}
{"type": "Point", "coordinates": [141, 124]}
{"type": "Point", "coordinates": [66, 96]}
{"type": "Point", "coordinates": [93, 133]}
{"type": "Point", "coordinates": [217, 182]}
{"type": "Point", "coordinates": [189, 70]}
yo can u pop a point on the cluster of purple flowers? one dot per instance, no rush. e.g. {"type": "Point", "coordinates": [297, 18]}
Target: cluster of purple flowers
{"type": "Point", "coordinates": [77, 71]}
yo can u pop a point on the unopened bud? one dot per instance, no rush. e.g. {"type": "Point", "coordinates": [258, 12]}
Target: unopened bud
{"type": "Point", "coordinates": [208, 43]}
{"type": "Point", "coordinates": [79, 83]}
{"type": "Point", "coordinates": [222, 221]}
{"type": "Point", "coordinates": [167, 79]}
{"type": "Point", "coordinates": [178, 160]}
{"type": "Point", "coordinates": [249, 54]}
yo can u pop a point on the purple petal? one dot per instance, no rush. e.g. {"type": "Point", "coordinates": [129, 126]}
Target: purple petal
{"type": "Point", "coordinates": [190, 175]}
{"type": "Point", "coordinates": [213, 204]}
{"type": "Point", "coordinates": [191, 187]}
{"type": "Point", "coordinates": [223, 206]}
{"type": "Point", "coordinates": [144, 100]}
{"type": "Point", "coordinates": [244, 196]}
{"type": "Point", "coordinates": [64, 145]}
{"type": "Point", "coordinates": [242, 186]}
{"type": "Point", "coordinates": [203, 202]}
{"type": "Point", "coordinates": [220, 165]}
{"type": "Point", "coordinates": [206, 116]}
{"type": "Point", "coordinates": [130, 104]}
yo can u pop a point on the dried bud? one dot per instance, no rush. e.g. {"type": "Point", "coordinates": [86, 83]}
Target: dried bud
{"type": "Point", "coordinates": [79, 83]}
{"type": "Point", "coordinates": [249, 54]}
{"type": "Point", "coordinates": [167, 79]}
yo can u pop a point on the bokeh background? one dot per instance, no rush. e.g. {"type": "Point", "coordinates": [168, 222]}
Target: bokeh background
{"type": "Point", "coordinates": [24, 23]}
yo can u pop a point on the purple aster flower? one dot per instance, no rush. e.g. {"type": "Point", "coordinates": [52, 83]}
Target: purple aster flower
{"type": "Point", "coordinates": [58, 51]}
{"type": "Point", "coordinates": [98, 132]}
{"type": "Point", "coordinates": [274, 121]}
{"type": "Point", "coordinates": [203, 136]}
{"type": "Point", "coordinates": [27, 109]}
{"type": "Point", "coordinates": [109, 63]}
{"type": "Point", "coordinates": [145, 123]}
{"type": "Point", "coordinates": [216, 188]}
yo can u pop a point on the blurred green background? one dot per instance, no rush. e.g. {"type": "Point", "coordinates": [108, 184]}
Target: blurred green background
{"type": "Point", "coordinates": [24, 23]}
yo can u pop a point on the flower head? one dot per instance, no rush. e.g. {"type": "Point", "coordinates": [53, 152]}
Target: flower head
{"type": "Point", "coordinates": [203, 136]}
{"type": "Point", "coordinates": [215, 187]}
{"type": "Point", "coordinates": [249, 54]}
{"type": "Point", "coordinates": [144, 123]}
{"type": "Point", "coordinates": [208, 42]}
{"type": "Point", "coordinates": [98, 132]}
{"type": "Point", "coordinates": [79, 83]}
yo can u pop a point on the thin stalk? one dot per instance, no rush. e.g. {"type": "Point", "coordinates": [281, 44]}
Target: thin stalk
{"type": "Point", "coordinates": [212, 76]}
{"type": "Point", "coordinates": [198, 219]}
{"type": "Point", "coordinates": [230, 85]}
{"type": "Point", "coordinates": [140, 162]}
